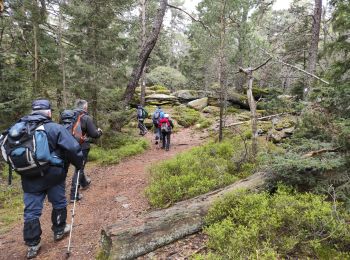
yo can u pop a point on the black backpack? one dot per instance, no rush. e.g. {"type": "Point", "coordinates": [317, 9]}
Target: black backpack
{"type": "Point", "coordinates": [71, 120]}
{"type": "Point", "coordinates": [25, 148]}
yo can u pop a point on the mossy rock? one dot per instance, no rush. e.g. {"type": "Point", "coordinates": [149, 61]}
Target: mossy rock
{"type": "Point", "coordinates": [284, 123]}
{"type": "Point", "coordinates": [148, 123]}
{"type": "Point", "coordinates": [198, 104]}
{"type": "Point", "coordinates": [157, 88]}
{"type": "Point", "coordinates": [211, 110]}
{"type": "Point", "coordinates": [264, 126]}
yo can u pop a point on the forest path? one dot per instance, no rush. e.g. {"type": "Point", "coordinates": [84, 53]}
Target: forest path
{"type": "Point", "coordinates": [116, 193]}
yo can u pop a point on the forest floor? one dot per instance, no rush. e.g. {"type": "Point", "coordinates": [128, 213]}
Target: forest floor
{"type": "Point", "coordinates": [116, 193]}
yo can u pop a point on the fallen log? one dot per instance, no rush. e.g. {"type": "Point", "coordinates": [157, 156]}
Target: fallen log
{"type": "Point", "coordinates": [259, 119]}
{"type": "Point", "coordinates": [316, 153]}
{"type": "Point", "coordinates": [135, 237]}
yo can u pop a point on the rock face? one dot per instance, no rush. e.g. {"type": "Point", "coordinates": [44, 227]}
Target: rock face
{"type": "Point", "coordinates": [198, 104]}
{"type": "Point", "coordinates": [161, 99]}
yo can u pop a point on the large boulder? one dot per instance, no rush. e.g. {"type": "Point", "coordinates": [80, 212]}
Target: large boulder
{"type": "Point", "coordinates": [198, 104]}
{"type": "Point", "coordinates": [161, 99]}
{"type": "Point", "coordinates": [187, 95]}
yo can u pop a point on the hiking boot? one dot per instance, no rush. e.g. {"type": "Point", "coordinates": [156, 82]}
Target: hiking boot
{"type": "Point", "coordinates": [79, 197]}
{"type": "Point", "coordinates": [60, 235]}
{"type": "Point", "coordinates": [87, 185]}
{"type": "Point", "coordinates": [33, 251]}
{"type": "Point", "coordinates": [156, 142]}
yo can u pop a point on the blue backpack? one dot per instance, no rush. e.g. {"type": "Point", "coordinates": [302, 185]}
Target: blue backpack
{"type": "Point", "coordinates": [25, 148]}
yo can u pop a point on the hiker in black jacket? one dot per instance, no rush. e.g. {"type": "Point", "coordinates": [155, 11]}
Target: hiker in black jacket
{"type": "Point", "coordinates": [89, 131]}
{"type": "Point", "coordinates": [51, 181]}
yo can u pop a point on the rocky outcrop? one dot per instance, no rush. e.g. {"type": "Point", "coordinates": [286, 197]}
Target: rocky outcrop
{"type": "Point", "coordinates": [187, 95]}
{"type": "Point", "coordinates": [161, 99]}
{"type": "Point", "coordinates": [198, 104]}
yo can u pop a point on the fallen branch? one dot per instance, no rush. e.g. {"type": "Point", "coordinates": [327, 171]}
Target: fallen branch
{"type": "Point", "coordinates": [316, 153]}
{"type": "Point", "coordinates": [260, 118]}
{"type": "Point", "coordinates": [132, 238]}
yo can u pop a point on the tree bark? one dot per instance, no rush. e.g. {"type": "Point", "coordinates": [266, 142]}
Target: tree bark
{"type": "Point", "coordinates": [61, 90]}
{"type": "Point", "coordinates": [143, 41]}
{"type": "Point", "coordinates": [132, 238]}
{"type": "Point", "coordinates": [145, 52]}
{"type": "Point", "coordinates": [222, 68]}
{"type": "Point", "coordinates": [313, 50]}
{"type": "Point", "coordinates": [36, 86]}
{"type": "Point", "coordinates": [252, 106]}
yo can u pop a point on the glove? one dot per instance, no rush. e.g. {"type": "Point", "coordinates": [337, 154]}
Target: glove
{"type": "Point", "coordinates": [99, 130]}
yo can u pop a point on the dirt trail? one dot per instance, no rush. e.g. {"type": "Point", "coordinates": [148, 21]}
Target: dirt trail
{"type": "Point", "coordinates": [116, 193]}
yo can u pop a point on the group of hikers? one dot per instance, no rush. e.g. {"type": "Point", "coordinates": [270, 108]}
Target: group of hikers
{"type": "Point", "coordinates": [41, 152]}
{"type": "Point", "coordinates": [162, 123]}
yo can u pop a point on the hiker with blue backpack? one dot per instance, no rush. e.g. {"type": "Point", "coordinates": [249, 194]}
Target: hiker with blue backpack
{"type": "Point", "coordinates": [82, 127]}
{"type": "Point", "coordinates": [157, 115]}
{"type": "Point", "coordinates": [141, 116]}
{"type": "Point", "coordinates": [166, 126]}
{"type": "Point", "coordinates": [40, 151]}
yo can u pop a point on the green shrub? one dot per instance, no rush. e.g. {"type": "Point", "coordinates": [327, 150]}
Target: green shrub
{"type": "Point", "coordinates": [315, 125]}
{"type": "Point", "coordinates": [186, 117]}
{"type": "Point", "coordinates": [195, 172]}
{"type": "Point", "coordinates": [286, 225]}
{"type": "Point", "coordinates": [11, 204]}
{"type": "Point", "coordinates": [166, 76]}
{"type": "Point", "coordinates": [115, 155]}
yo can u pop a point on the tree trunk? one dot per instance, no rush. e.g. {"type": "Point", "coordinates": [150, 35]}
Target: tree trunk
{"type": "Point", "coordinates": [145, 52]}
{"type": "Point", "coordinates": [36, 86]}
{"type": "Point", "coordinates": [242, 38]}
{"type": "Point", "coordinates": [61, 89]}
{"type": "Point", "coordinates": [143, 41]}
{"type": "Point", "coordinates": [135, 237]}
{"type": "Point", "coordinates": [252, 106]}
{"type": "Point", "coordinates": [222, 68]}
{"type": "Point", "coordinates": [313, 50]}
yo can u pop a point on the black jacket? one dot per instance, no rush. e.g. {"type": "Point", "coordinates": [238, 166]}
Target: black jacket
{"type": "Point", "coordinates": [89, 129]}
{"type": "Point", "coordinates": [65, 146]}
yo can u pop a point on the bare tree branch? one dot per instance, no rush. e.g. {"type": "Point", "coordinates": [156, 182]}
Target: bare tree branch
{"type": "Point", "coordinates": [193, 18]}
{"type": "Point", "coordinates": [293, 66]}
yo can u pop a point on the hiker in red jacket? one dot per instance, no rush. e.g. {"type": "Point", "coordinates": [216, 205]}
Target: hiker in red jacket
{"type": "Point", "coordinates": [166, 125]}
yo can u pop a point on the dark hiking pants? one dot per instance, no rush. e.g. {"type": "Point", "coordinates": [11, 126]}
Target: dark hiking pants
{"type": "Point", "coordinates": [33, 207]}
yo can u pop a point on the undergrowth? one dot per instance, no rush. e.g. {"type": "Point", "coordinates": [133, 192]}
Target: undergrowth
{"type": "Point", "coordinates": [109, 155]}
{"type": "Point", "coordinates": [198, 171]}
{"type": "Point", "coordinates": [11, 205]}
{"type": "Point", "coordinates": [285, 225]}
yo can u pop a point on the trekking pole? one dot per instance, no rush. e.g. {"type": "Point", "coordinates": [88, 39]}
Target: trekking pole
{"type": "Point", "coordinates": [73, 214]}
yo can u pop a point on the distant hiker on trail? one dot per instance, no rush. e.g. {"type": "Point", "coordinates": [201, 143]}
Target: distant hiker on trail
{"type": "Point", "coordinates": [89, 130]}
{"type": "Point", "coordinates": [40, 151]}
{"type": "Point", "coordinates": [141, 115]}
{"type": "Point", "coordinates": [157, 115]}
{"type": "Point", "coordinates": [166, 125]}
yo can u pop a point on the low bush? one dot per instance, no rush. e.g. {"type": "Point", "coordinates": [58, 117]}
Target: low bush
{"type": "Point", "coordinates": [311, 173]}
{"type": "Point", "coordinates": [11, 205]}
{"type": "Point", "coordinates": [198, 171]}
{"type": "Point", "coordinates": [186, 117]}
{"type": "Point", "coordinates": [285, 225]}
{"type": "Point", "coordinates": [115, 155]}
